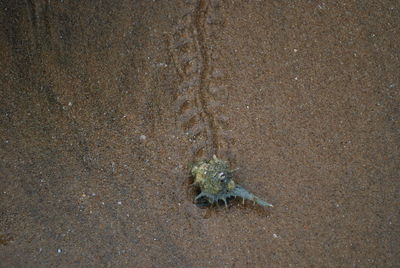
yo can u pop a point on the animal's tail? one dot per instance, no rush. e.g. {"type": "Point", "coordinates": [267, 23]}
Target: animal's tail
{"type": "Point", "coordinates": [243, 193]}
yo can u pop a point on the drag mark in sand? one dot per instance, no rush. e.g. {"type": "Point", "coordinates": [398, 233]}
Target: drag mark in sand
{"type": "Point", "coordinates": [200, 95]}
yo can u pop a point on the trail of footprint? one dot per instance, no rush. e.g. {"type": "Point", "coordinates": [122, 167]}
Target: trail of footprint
{"type": "Point", "coordinates": [200, 94]}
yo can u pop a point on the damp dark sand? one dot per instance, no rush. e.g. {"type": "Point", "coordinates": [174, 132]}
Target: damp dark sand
{"type": "Point", "coordinates": [96, 132]}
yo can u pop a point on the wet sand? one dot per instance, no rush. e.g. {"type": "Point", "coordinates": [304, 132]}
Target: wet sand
{"type": "Point", "coordinates": [104, 105]}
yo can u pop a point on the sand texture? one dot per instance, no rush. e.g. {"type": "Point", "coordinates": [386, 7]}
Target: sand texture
{"type": "Point", "coordinates": [105, 104]}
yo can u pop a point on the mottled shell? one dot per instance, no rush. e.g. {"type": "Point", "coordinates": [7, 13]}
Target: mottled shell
{"type": "Point", "coordinates": [213, 177]}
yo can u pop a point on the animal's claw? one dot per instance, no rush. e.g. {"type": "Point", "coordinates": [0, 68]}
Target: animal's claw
{"type": "Point", "coordinates": [199, 196]}
{"type": "Point", "coordinates": [226, 204]}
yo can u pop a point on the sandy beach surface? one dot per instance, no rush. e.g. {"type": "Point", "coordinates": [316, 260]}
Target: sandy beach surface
{"type": "Point", "coordinates": [104, 105]}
